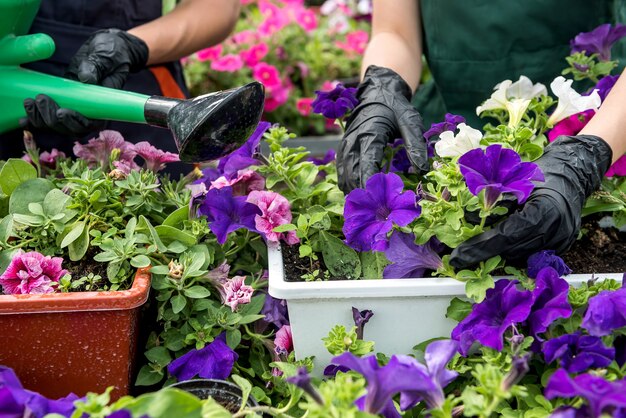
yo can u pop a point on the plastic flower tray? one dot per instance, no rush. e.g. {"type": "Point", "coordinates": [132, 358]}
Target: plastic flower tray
{"type": "Point", "coordinates": [73, 342]}
{"type": "Point", "coordinates": [406, 311]}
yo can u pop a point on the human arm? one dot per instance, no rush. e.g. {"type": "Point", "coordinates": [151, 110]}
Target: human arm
{"type": "Point", "coordinates": [573, 167]}
{"type": "Point", "coordinates": [391, 70]}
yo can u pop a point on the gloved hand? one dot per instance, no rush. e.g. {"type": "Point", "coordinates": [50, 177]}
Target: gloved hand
{"type": "Point", "coordinates": [105, 59]}
{"type": "Point", "coordinates": [573, 167]}
{"type": "Point", "coordinates": [383, 114]}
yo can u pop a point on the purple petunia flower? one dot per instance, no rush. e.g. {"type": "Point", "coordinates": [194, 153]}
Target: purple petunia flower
{"type": "Point", "coordinates": [550, 301]}
{"type": "Point", "coordinates": [504, 306]}
{"type": "Point", "coordinates": [303, 381]}
{"type": "Point", "coordinates": [370, 213]}
{"type": "Point", "coordinates": [214, 361]}
{"type": "Point", "coordinates": [606, 312]}
{"type": "Point", "coordinates": [15, 401]}
{"type": "Point", "coordinates": [275, 311]}
{"type": "Point", "coordinates": [598, 41]}
{"type": "Point", "coordinates": [577, 353]}
{"type": "Point", "coordinates": [155, 158]}
{"type": "Point", "coordinates": [449, 124]}
{"type": "Point", "coordinates": [498, 170]}
{"type": "Point", "coordinates": [227, 213]}
{"type": "Point", "coordinates": [605, 85]}
{"type": "Point", "coordinates": [336, 103]}
{"type": "Point", "coordinates": [360, 319]}
{"type": "Point", "coordinates": [546, 258]}
{"type": "Point", "coordinates": [329, 157]}
{"type": "Point", "coordinates": [600, 394]}
{"type": "Point", "coordinates": [243, 157]}
{"type": "Point", "coordinates": [122, 413]}
{"type": "Point", "coordinates": [408, 259]}
{"type": "Point", "coordinates": [400, 162]}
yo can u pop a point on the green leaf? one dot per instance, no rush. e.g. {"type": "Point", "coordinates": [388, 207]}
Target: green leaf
{"type": "Point", "coordinates": [6, 228]}
{"type": "Point", "coordinates": [245, 385]}
{"type": "Point", "coordinates": [178, 303]}
{"type": "Point", "coordinates": [5, 258]}
{"type": "Point", "coordinates": [477, 288]}
{"type": "Point", "coordinates": [177, 217]}
{"type": "Point", "coordinates": [254, 307]}
{"type": "Point", "coordinates": [74, 233]}
{"type": "Point", "coordinates": [319, 218]}
{"type": "Point", "coordinates": [4, 205]}
{"type": "Point", "coordinates": [55, 202]}
{"type": "Point", "coordinates": [159, 355]}
{"type": "Point", "coordinates": [458, 309]}
{"type": "Point", "coordinates": [34, 190]}
{"type": "Point", "coordinates": [171, 402]}
{"type": "Point", "coordinates": [341, 260]}
{"type": "Point", "coordinates": [305, 250]}
{"type": "Point", "coordinates": [169, 234]}
{"type": "Point", "coordinates": [148, 376]}
{"type": "Point", "coordinates": [284, 228]}
{"type": "Point", "coordinates": [197, 292]}
{"type": "Point", "coordinates": [140, 261]}
{"type": "Point", "coordinates": [78, 248]}
{"type": "Point", "coordinates": [233, 338]}
{"type": "Point", "coordinates": [144, 222]}
{"type": "Point", "coordinates": [373, 264]}
{"type": "Point", "coordinates": [112, 269]}
{"type": "Point", "coordinates": [492, 263]}
{"type": "Point", "coordinates": [15, 172]}
{"type": "Point", "coordinates": [247, 319]}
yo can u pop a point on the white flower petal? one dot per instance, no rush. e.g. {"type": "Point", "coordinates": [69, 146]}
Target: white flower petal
{"type": "Point", "coordinates": [525, 89]}
{"type": "Point", "coordinates": [516, 108]}
{"type": "Point", "coordinates": [450, 145]}
{"type": "Point", "coordinates": [498, 98]}
{"type": "Point", "coordinates": [570, 101]}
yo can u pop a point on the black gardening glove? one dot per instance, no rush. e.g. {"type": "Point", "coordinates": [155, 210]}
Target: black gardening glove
{"type": "Point", "coordinates": [105, 58]}
{"type": "Point", "coordinates": [573, 167]}
{"type": "Point", "coordinates": [383, 114]}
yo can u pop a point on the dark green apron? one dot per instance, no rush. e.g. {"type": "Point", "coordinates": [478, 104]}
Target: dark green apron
{"type": "Point", "coordinates": [471, 45]}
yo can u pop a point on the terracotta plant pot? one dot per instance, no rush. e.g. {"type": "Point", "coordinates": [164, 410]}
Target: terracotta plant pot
{"type": "Point", "coordinates": [73, 342]}
{"type": "Point", "coordinates": [223, 392]}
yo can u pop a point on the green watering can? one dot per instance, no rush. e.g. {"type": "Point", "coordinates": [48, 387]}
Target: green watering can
{"type": "Point", "coordinates": [204, 128]}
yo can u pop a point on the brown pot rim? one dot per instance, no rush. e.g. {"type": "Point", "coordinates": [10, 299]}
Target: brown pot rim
{"type": "Point", "coordinates": [80, 301]}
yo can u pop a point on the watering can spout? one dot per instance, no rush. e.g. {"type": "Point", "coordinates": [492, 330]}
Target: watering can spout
{"type": "Point", "coordinates": [209, 126]}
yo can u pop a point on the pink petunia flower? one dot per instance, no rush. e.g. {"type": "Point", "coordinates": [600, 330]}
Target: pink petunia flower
{"type": "Point", "coordinates": [275, 98]}
{"type": "Point", "coordinates": [237, 292]}
{"type": "Point", "coordinates": [209, 54]}
{"type": "Point", "coordinates": [571, 125]}
{"type": "Point", "coordinates": [269, 9]}
{"type": "Point", "coordinates": [267, 74]}
{"type": "Point", "coordinates": [245, 182]}
{"type": "Point", "coordinates": [251, 57]}
{"type": "Point", "coordinates": [618, 168]}
{"type": "Point", "coordinates": [306, 19]}
{"type": "Point", "coordinates": [32, 273]}
{"type": "Point", "coordinates": [304, 106]}
{"type": "Point", "coordinates": [275, 211]}
{"type": "Point", "coordinates": [283, 341]}
{"type": "Point", "coordinates": [245, 37]}
{"type": "Point", "coordinates": [271, 25]}
{"type": "Point", "coordinates": [356, 42]}
{"type": "Point", "coordinates": [228, 63]}
{"type": "Point", "coordinates": [154, 157]}
{"type": "Point", "coordinates": [97, 151]}
{"type": "Point", "coordinates": [49, 159]}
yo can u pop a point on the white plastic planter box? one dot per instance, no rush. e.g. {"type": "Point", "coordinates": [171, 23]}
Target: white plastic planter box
{"type": "Point", "coordinates": [406, 311]}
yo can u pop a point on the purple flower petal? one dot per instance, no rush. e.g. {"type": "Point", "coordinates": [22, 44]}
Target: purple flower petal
{"type": "Point", "coordinates": [243, 157]}
{"type": "Point", "coordinates": [606, 311]}
{"type": "Point", "coordinates": [214, 361]}
{"type": "Point", "coordinates": [550, 295]}
{"type": "Point", "coordinates": [408, 259]}
{"type": "Point", "coordinates": [546, 258]}
{"type": "Point", "coordinates": [336, 103]}
{"type": "Point", "coordinates": [598, 41]}
{"type": "Point", "coordinates": [577, 353]}
{"type": "Point", "coordinates": [227, 213]}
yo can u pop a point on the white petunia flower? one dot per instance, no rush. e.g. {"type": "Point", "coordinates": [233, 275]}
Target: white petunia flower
{"type": "Point", "coordinates": [517, 109]}
{"type": "Point", "coordinates": [450, 145]}
{"type": "Point", "coordinates": [507, 91]}
{"type": "Point", "coordinates": [570, 101]}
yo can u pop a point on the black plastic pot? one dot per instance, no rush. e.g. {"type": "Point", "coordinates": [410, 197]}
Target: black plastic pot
{"type": "Point", "coordinates": [223, 392]}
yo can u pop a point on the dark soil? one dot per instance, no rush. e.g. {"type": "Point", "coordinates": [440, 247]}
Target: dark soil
{"type": "Point", "coordinates": [83, 268]}
{"type": "Point", "coordinates": [600, 250]}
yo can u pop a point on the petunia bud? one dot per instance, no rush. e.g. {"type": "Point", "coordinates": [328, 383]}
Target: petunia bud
{"type": "Point", "coordinates": [176, 270]}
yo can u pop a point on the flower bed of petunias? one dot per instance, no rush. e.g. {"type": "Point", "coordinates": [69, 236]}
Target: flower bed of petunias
{"type": "Point", "coordinates": [531, 346]}
{"type": "Point", "coordinates": [293, 50]}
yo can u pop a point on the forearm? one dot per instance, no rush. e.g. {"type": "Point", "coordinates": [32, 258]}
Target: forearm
{"type": "Point", "coordinates": [396, 39]}
{"type": "Point", "coordinates": [191, 26]}
{"type": "Point", "coordinates": [608, 122]}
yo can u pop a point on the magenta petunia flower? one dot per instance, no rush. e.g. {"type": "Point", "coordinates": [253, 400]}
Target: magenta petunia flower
{"type": "Point", "coordinates": [236, 292]}
{"type": "Point", "coordinates": [228, 63]}
{"type": "Point", "coordinates": [598, 41]}
{"type": "Point", "coordinates": [49, 159]}
{"type": "Point", "coordinates": [372, 212]}
{"type": "Point", "coordinates": [275, 211]}
{"type": "Point", "coordinates": [602, 396]}
{"type": "Point", "coordinates": [155, 158]}
{"type": "Point", "coordinates": [245, 182]}
{"type": "Point", "coordinates": [214, 361]}
{"type": "Point", "coordinates": [227, 213]}
{"type": "Point", "coordinates": [571, 125]}
{"type": "Point", "coordinates": [356, 42]}
{"type": "Point", "coordinates": [243, 157]}
{"type": "Point", "coordinates": [618, 168]}
{"type": "Point", "coordinates": [209, 54]}
{"type": "Point", "coordinates": [504, 306]}
{"type": "Point", "coordinates": [304, 106]}
{"type": "Point", "coordinates": [97, 151]}
{"type": "Point", "coordinates": [254, 54]}
{"type": "Point", "coordinates": [267, 74]}
{"type": "Point", "coordinates": [307, 19]}
{"type": "Point", "coordinates": [336, 103]}
{"type": "Point", "coordinates": [577, 353]}
{"type": "Point", "coordinates": [498, 170]}
{"type": "Point", "coordinates": [283, 341]}
{"type": "Point", "coordinates": [31, 273]}
{"type": "Point", "coordinates": [408, 259]}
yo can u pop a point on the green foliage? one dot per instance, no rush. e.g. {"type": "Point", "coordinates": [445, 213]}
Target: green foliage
{"type": "Point", "coordinates": [339, 340]}
{"type": "Point", "coordinates": [583, 67]}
